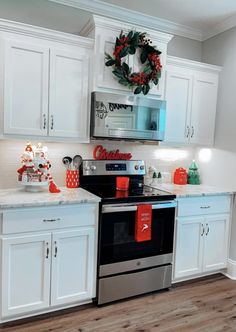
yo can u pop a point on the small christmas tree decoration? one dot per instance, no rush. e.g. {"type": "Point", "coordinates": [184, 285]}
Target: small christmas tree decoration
{"type": "Point", "coordinates": [193, 174]}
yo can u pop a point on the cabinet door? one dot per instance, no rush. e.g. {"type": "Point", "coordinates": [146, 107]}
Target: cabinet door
{"type": "Point", "coordinates": [25, 88]}
{"type": "Point", "coordinates": [156, 90]}
{"type": "Point", "coordinates": [25, 273]}
{"type": "Point", "coordinates": [189, 246]}
{"type": "Point", "coordinates": [72, 266]}
{"type": "Point", "coordinates": [216, 242]}
{"type": "Point", "coordinates": [203, 108]}
{"type": "Point", "coordinates": [178, 97]}
{"type": "Point", "coordinates": [103, 76]}
{"type": "Point", "coordinates": [69, 94]}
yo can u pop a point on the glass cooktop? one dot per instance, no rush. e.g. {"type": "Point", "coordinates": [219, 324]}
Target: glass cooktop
{"type": "Point", "coordinates": [111, 195]}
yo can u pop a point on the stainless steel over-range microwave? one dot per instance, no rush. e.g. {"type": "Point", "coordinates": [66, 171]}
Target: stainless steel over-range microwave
{"type": "Point", "coordinates": [117, 116]}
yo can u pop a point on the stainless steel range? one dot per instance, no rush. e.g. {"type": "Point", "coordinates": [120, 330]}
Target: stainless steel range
{"type": "Point", "coordinates": [127, 267]}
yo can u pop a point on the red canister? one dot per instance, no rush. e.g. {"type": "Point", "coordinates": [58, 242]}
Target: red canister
{"type": "Point", "coordinates": [180, 176]}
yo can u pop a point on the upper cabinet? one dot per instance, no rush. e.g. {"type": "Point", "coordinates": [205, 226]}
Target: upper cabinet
{"type": "Point", "coordinates": [46, 86]}
{"type": "Point", "coordinates": [191, 96]}
{"type": "Point", "coordinates": [25, 88]}
{"type": "Point", "coordinates": [68, 94]}
{"type": "Point", "coordinates": [104, 31]}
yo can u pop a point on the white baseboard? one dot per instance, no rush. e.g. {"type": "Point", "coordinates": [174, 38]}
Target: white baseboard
{"type": "Point", "coordinates": [231, 269]}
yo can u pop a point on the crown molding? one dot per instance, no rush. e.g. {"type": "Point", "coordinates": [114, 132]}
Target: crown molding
{"type": "Point", "coordinates": [191, 64]}
{"type": "Point", "coordinates": [114, 25]}
{"type": "Point", "coordinates": [109, 10]}
{"type": "Point", "coordinates": [47, 34]}
{"type": "Point", "coordinates": [227, 24]}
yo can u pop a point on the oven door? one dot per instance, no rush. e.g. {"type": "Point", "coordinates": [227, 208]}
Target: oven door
{"type": "Point", "coordinates": [117, 238]}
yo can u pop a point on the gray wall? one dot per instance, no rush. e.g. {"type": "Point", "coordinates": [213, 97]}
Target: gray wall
{"type": "Point", "coordinates": [221, 50]}
{"type": "Point", "coordinates": [185, 48]}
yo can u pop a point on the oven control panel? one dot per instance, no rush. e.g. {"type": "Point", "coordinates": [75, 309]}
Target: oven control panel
{"type": "Point", "coordinates": [114, 167]}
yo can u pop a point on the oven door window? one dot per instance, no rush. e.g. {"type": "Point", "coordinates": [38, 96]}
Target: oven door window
{"type": "Point", "coordinates": [118, 236]}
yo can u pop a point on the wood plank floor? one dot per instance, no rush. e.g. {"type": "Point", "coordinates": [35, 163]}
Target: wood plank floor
{"type": "Point", "coordinates": [200, 306]}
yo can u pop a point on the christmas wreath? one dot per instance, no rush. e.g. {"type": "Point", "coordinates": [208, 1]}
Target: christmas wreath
{"type": "Point", "coordinates": [149, 57]}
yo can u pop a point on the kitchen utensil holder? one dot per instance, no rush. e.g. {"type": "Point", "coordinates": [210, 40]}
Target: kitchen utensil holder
{"type": "Point", "coordinates": [72, 178]}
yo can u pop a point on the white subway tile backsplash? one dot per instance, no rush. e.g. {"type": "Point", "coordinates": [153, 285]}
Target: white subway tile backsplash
{"type": "Point", "coordinates": [164, 159]}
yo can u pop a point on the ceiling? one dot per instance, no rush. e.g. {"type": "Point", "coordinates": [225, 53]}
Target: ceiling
{"type": "Point", "coordinates": [189, 18]}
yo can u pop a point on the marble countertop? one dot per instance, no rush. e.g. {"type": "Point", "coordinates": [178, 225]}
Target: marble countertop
{"type": "Point", "coordinates": [18, 198]}
{"type": "Point", "coordinates": [189, 190]}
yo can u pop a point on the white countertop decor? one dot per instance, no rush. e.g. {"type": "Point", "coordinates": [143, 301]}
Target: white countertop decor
{"type": "Point", "coordinates": [18, 198]}
{"type": "Point", "coordinates": [192, 190]}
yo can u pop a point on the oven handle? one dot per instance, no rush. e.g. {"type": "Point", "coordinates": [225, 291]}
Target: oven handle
{"type": "Point", "coordinates": [123, 208]}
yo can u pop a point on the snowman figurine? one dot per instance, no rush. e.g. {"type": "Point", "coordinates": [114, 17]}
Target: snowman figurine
{"type": "Point", "coordinates": [36, 167]}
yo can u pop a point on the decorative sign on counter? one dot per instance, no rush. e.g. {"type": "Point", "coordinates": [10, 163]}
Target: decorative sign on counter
{"type": "Point", "coordinates": [35, 170]}
{"type": "Point", "coordinates": [100, 153]}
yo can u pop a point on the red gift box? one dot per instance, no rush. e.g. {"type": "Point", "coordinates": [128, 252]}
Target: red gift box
{"type": "Point", "coordinates": [143, 223]}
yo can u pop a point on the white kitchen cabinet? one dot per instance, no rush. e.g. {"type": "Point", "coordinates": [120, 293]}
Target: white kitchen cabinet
{"type": "Point", "coordinates": [216, 242]}
{"type": "Point", "coordinates": [189, 248]}
{"type": "Point", "coordinates": [46, 88]}
{"type": "Point", "coordinates": [201, 235]}
{"type": "Point", "coordinates": [178, 96]}
{"type": "Point", "coordinates": [68, 94]}
{"type": "Point", "coordinates": [72, 265]}
{"type": "Point", "coordinates": [50, 262]}
{"type": "Point", "coordinates": [104, 31]}
{"type": "Point", "coordinates": [204, 99]}
{"type": "Point", "coordinates": [25, 273]}
{"type": "Point", "coordinates": [191, 95]}
{"type": "Point", "coordinates": [25, 88]}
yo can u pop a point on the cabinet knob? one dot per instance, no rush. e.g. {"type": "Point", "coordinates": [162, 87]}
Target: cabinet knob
{"type": "Point", "coordinates": [208, 229]}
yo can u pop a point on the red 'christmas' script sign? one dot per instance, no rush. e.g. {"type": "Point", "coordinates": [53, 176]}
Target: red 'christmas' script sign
{"type": "Point", "coordinates": [100, 153]}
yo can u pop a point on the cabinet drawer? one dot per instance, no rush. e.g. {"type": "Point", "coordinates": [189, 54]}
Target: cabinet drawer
{"type": "Point", "coordinates": [35, 219]}
{"type": "Point", "coordinates": [203, 205]}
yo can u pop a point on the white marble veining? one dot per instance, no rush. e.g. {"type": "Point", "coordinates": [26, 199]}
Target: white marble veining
{"type": "Point", "coordinates": [17, 198]}
{"type": "Point", "coordinates": [193, 190]}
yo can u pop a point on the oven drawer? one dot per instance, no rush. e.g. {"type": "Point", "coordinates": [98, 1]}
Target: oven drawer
{"type": "Point", "coordinates": [203, 205]}
{"type": "Point", "coordinates": [135, 264]}
{"type": "Point", "coordinates": [131, 284]}
{"type": "Point", "coordinates": [38, 219]}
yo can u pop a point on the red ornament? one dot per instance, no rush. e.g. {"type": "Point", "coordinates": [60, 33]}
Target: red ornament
{"type": "Point", "coordinates": [100, 153]}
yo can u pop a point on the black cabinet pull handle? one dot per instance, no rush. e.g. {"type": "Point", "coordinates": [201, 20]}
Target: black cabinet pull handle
{"type": "Point", "coordinates": [55, 253]}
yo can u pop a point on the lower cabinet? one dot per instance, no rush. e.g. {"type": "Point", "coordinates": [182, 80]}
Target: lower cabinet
{"type": "Point", "coordinates": [48, 269]}
{"type": "Point", "coordinates": [26, 266]}
{"type": "Point", "coordinates": [72, 266]}
{"type": "Point", "coordinates": [201, 242]}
